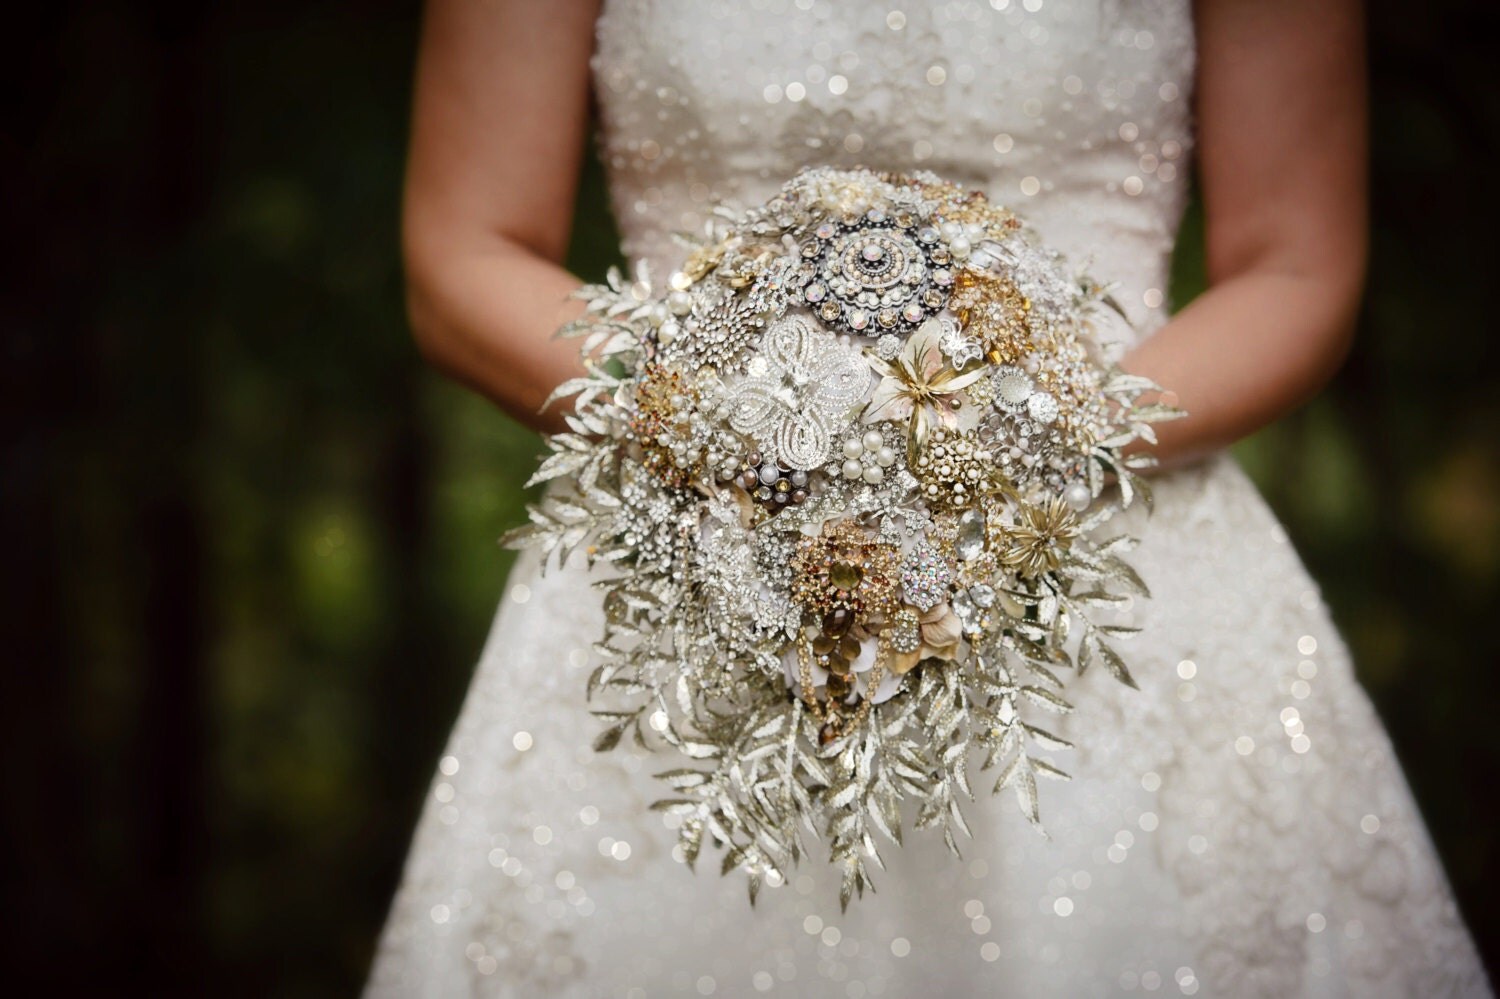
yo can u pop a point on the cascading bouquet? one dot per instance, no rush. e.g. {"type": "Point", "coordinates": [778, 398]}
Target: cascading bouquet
{"type": "Point", "coordinates": [850, 470]}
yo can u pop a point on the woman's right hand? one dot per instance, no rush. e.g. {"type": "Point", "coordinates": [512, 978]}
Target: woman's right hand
{"type": "Point", "coordinates": [499, 128]}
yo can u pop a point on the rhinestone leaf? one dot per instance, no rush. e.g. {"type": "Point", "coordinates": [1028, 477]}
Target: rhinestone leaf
{"type": "Point", "coordinates": [925, 577]}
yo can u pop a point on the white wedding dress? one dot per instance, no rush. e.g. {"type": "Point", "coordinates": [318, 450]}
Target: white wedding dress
{"type": "Point", "coordinates": [1237, 827]}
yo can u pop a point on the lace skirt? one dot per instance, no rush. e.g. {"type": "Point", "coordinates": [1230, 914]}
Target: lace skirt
{"type": "Point", "coordinates": [1239, 826]}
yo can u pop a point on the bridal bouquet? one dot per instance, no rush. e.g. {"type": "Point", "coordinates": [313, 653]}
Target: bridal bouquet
{"type": "Point", "coordinates": [850, 470]}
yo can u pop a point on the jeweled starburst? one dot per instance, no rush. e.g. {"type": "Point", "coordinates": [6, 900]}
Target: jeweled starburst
{"type": "Point", "coordinates": [1036, 542]}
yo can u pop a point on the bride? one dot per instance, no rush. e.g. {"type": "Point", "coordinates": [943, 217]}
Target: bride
{"type": "Point", "coordinates": [1239, 826]}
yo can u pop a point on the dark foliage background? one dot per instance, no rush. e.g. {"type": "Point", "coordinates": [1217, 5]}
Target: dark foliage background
{"type": "Point", "coordinates": [250, 541]}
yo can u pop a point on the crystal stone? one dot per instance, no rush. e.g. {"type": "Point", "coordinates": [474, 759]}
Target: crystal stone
{"type": "Point", "coordinates": [970, 541]}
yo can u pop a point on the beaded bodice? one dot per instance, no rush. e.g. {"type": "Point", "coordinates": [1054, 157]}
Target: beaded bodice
{"type": "Point", "coordinates": [1076, 115]}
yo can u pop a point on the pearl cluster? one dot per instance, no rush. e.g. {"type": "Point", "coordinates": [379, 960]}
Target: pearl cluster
{"type": "Point", "coordinates": [961, 238]}
{"type": "Point", "coordinates": [952, 467]}
{"type": "Point", "coordinates": [867, 457]}
{"type": "Point", "coordinates": [766, 481]}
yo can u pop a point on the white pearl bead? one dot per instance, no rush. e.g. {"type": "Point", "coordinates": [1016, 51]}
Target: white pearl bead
{"type": "Point", "coordinates": [959, 247]}
{"type": "Point", "coordinates": [1077, 496]}
{"type": "Point", "coordinates": [873, 474]}
{"type": "Point", "coordinates": [853, 448]}
{"type": "Point", "coordinates": [853, 469]}
{"type": "Point", "coordinates": [885, 457]}
{"type": "Point", "coordinates": [680, 302]}
{"type": "Point", "coordinates": [873, 441]}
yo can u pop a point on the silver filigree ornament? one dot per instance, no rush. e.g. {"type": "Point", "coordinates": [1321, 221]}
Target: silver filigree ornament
{"type": "Point", "coordinates": [961, 349]}
{"type": "Point", "coordinates": [771, 292]}
{"type": "Point", "coordinates": [800, 394]}
{"type": "Point", "coordinates": [882, 274]}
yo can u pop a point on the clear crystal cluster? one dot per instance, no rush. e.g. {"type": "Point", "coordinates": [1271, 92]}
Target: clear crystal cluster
{"type": "Point", "coordinates": [850, 473]}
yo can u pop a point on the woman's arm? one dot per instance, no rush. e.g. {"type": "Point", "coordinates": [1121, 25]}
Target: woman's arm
{"type": "Point", "coordinates": [1281, 157]}
{"type": "Point", "coordinates": [498, 132]}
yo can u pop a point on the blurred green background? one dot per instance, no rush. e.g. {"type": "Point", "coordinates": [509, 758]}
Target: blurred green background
{"type": "Point", "coordinates": [251, 541]}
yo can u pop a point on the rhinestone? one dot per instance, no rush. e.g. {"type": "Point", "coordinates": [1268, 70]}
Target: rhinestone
{"type": "Point", "coordinates": [1042, 407]}
{"type": "Point", "coordinates": [845, 575]}
{"type": "Point", "coordinates": [925, 577]}
{"type": "Point", "coordinates": [906, 632]}
{"type": "Point", "coordinates": [1012, 387]}
{"type": "Point", "coordinates": [970, 542]}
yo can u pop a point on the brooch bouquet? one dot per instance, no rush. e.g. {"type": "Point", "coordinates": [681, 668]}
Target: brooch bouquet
{"type": "Point", "coordinates": [849, 472]}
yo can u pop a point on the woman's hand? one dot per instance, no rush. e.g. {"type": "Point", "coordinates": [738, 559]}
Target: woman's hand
{"type": "Point", "coordinates": [498, 133]}
{"type": "Point", "coordinates": [1281, 123]}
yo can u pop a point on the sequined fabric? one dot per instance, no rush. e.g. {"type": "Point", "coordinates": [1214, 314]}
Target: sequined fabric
{"type": "Point", "coordinates": [1237, 827]}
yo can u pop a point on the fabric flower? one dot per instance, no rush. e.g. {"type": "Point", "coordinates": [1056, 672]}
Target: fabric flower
{"type": "Point", "coordinates": [920, 386]}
